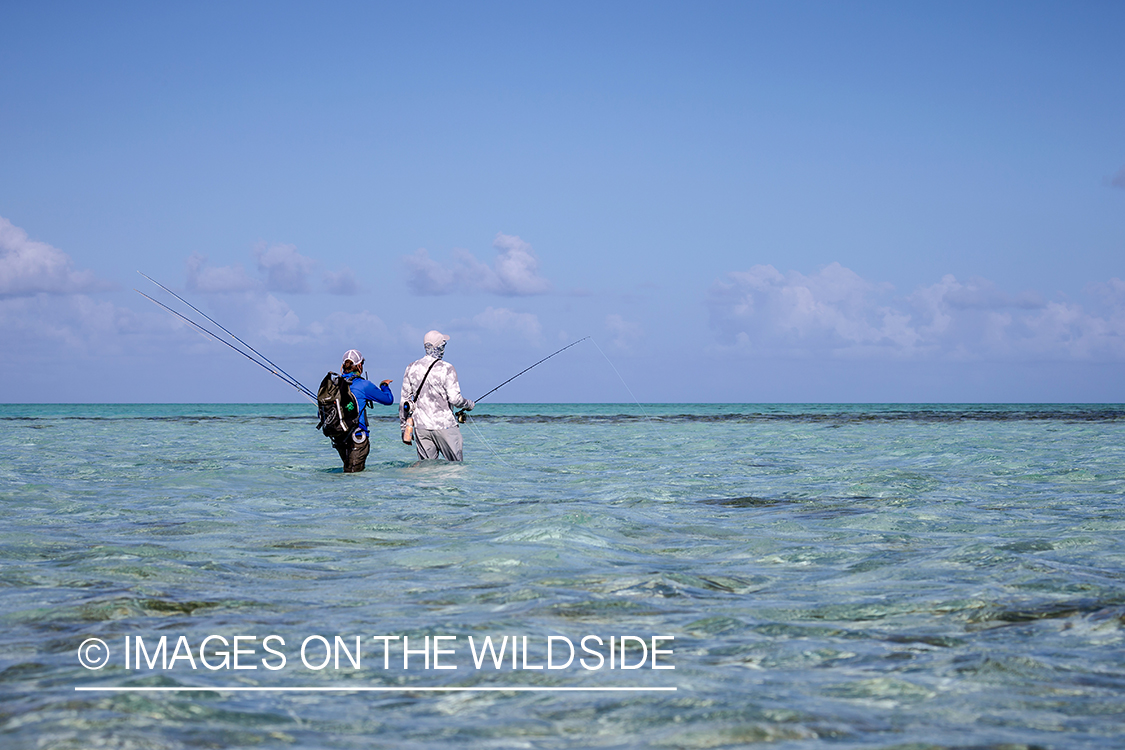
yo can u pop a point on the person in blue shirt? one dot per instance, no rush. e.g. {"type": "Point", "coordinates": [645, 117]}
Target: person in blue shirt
{"type": "Point", "coordinates": [353, 449]}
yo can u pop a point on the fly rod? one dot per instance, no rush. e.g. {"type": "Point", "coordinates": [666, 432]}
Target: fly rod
{"type": "Point", "coordinates": [285, 378]}
{"type": "Point", "coordinates": [461, 414]}
{"type": "Point", "coordinates": [291, 380]}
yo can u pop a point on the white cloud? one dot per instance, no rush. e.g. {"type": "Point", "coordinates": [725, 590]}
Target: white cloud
{"type": "Point", "coordinates": [275, 321]}
{"type": "Point", "coordinates": [60, 326]}
{"type": "Point", "coordinates": [1111, 294]}
{"type": "Point", "coordinates": [217, 280]}
{"type": "Point", "coordinates": [502, 321]}
{"type": "Point", "coordinates": [426, 276]}
{"type": "Point", "coordinates": [517, 268]}
{"type": "Point", "coordinates": [831, 309]}
{"type": "Point", "coordinates": [280, 267]}
{"type": "Point", "coordinates": [29, 267]}
{"type": "Point", "coordinates": [46, 316]}
{"type": "Point", "coordinates": [342, 282]}
{"type": "Point", "coordinates": [515, 272]}
{"type": "Point", "coordinates": [286, 270]}
{"type": "Point", "coordinates": [244, 303]}
{"type": "Point", "coordinates": [838, 312]}
{"type": "Point", "coordinates": [44, 323]}
{"type": "Point", "coordinates": [45, 329]}
{"type": "Point", "coordinates": [982, 294]}
{"type": "Point", "coordinates": [1062, 327]}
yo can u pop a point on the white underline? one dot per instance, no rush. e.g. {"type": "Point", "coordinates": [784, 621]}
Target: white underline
{"type": "Point", "coordinates": [508, 689]}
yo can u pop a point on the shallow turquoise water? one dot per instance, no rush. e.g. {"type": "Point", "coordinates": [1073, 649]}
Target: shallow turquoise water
{"type": "Point", "coordinates": [862, 576]}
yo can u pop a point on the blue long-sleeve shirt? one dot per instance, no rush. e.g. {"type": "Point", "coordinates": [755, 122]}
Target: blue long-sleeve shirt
{"type": "Point", "coordinates": [366, 393]}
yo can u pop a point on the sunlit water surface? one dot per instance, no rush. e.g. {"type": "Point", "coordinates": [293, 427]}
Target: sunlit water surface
{"type": "Point", "coordinates": [833, 576]}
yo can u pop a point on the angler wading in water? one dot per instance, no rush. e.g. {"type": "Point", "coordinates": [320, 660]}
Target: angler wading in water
{"type": "Point", "coordinates": [430, 392]}
{"type": "Point", "coordinates": [343, 403]}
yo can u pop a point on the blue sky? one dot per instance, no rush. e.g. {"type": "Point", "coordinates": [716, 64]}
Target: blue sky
{"type": "Point", "coordinates": [738, 202]}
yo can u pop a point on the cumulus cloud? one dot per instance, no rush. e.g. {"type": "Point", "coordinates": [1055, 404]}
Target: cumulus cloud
{"type": "Point", "coordinates": [515, 272]}
{"type": "Point", "coordinates": [982, 294]}
{"type": "Point", "coordinates": [46, 311]}
{"type": "Point", "coordinates": [1081, 333]}
{"type": "Point", "coordinates": [1111, 294]}
{"type": "Point", "coordinates": [836, 311]}
{"type": "Point", "coordinates": [274, 320]}
{"type": "Point", "coordinates": [208, 279]}
{"type": "Point", "coordinates": [426, 276]}
{"type": "Point", "coordinates": [827, 310]}
{"type": "Point", "coordinates": [503, 321]}
{"type": "Point", "coordinates": [246, 301]}
{"type": "Point", "coordinates": [75, 324]}
{"type": "Point", "coordinates": [517, 268]}
{"type": "Point", "coordinates": [29, 267]}
{"type": "Point", "coordinates": [342, 282]}
{"type": "Point", "coordinates": [36, 331]}
{"type": "Point", "coordinates": [285, 269]}
{"type": "Point", "coordinates": [261, 318]}
{"type": "Point", "coordinates": [280, 268]}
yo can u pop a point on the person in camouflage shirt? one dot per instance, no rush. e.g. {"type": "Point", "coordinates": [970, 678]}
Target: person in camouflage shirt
{"type": "Point", "coordinates": [435, 428]}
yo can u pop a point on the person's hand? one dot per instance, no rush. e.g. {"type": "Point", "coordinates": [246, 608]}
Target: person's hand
{"type": "Point", "coordinates": [470, 406]}
{"type": "Point", "coordinates": [388, 381]}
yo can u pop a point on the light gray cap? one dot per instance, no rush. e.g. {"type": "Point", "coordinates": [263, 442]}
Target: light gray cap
{"type": "Point", "coordinates": [437, 338]}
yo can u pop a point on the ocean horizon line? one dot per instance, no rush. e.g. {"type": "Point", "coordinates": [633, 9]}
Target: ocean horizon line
{"type": "Point", "coordinates": [594, 403]}
{"type": "Point", "coordinates": [598, 412]}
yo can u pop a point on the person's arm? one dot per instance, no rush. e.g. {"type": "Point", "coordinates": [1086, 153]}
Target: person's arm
{"type": "Point", "coordinates": [405, 393]}
{"type": "Point", "coordinates": [383, 395]}
{"type": "Point", "coordinates": [453, 391]}
{"type": "Point", "coordinates": [380, 394]}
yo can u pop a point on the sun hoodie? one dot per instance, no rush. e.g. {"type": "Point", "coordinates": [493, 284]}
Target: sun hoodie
{"type": "Point", "coordinates": [440, 394]}
{"type": "Point", "coordinates": [365, 393]}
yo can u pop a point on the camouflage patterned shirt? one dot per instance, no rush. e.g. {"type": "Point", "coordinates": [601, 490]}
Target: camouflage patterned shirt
{"type": "Point", "coordinates": [440, 394]}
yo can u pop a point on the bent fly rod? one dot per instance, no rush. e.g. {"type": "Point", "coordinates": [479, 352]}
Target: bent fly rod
{"type": "Point", "coordinates": [461, 414]}
{"type": "Point", "coordinates": [274, 369]}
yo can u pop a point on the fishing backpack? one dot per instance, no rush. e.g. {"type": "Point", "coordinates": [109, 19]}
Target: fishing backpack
{"type": "Point", "coordinates": [336, 407]}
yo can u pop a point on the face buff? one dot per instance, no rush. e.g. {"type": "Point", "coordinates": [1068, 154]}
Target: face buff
{"type": "Point", "coordinates": [437, 352]}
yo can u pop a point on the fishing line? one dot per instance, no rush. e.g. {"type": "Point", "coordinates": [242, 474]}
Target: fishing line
{"type": "Point", "coordinates": [480, 435]}
{"type": "Point", "coordinates": [614, 368]}
{"type": "Point", "coordinates": [303, 390]}
{"type": "Point", "coordinates": [647, 417]}
{"type": "Point", "coordinates": [289, 378]}
{"type": "Point", "coordinates": [521, 372]}
{"type": "Point", "coordinates": [461, 414]}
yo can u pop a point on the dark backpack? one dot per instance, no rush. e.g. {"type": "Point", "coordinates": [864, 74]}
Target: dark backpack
{"type": "Point", "coordinates": [336, 406]}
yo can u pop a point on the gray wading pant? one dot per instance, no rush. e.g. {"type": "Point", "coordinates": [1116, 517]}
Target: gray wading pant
{"type": "Point", "coordinates": [432, 442]}
{"type": "Point", "coordinates": [352, 453]}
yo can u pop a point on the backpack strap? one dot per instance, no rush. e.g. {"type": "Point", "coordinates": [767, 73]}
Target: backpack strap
{"type": "Point", "coordinates": [343, 404]}
{"type": "Point", "coordinates": [419, 390]}
{"type": "Point", "coordinates": [323, 399]}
